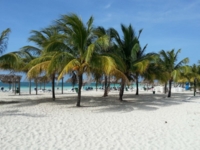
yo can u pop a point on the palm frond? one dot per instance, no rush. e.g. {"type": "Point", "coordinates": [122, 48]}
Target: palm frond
{"type": "Point", "coordinates": [59, 60]}
{"type": "Point", "coordinates": [31, 50]}
{"type": "Point", "coordinates": [141, 66]}
{"type": "Point", "coordinates": [73, 65]}
{"type": "Point", "coordinates": [10, 60]}
{"type": "Point", "coordinates": [182, 62]}
{"type": "Point", "coordinates": [38, 69]}
{"type": "Point", "coordinates": [89, 52]}
{"type": "Point", "coordinates": [4, 39]}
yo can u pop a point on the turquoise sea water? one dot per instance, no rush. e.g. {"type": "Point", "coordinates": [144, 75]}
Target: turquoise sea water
{"type": "Point", "coordinates": [24, 86]}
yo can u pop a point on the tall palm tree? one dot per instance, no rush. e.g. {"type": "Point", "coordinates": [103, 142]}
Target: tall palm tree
{"type": "Point", "coordinates": [143, 64]}
{"type": "Point", "coordinates": [109, 50]}
{"type": "Point", "coordinates": [80, 50]}
{"type": "Point", "coordinates": [173, 70]}
{"type": "Point", "coordinates": [133, 56]}
{"type": "Point", "coordinates": [4, 39]}
{"type": "Point", "coordinates": [127, 47]}
{"type": "Point", "coordinates": [42, 64]}
{"type": "Point", "coordinates": [16, 60]}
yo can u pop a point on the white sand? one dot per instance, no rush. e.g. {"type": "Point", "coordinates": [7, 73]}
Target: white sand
{"type": "Point", "coordinates": [148, 121]}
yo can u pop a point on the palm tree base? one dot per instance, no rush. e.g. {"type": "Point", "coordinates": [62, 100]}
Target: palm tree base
{"type": "Point", "coordinates": [78, 105]}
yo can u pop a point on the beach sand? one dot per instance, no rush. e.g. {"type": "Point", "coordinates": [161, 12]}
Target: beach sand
{"type": "Point", "coordinates": [148, 121]}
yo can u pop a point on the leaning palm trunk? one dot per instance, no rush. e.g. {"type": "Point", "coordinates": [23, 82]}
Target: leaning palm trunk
{"type": "Point", "coordinates": [53, 87]}
{"type": "Point", "coordinates": [170, 86]}
{"type": "Point", "coordinates": [121, 92]}
{"type": "Point", "coordinates": [80, 79]}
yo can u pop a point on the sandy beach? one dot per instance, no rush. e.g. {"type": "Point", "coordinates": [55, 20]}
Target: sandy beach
{"type": "Point", "coordinates": [148, 121]}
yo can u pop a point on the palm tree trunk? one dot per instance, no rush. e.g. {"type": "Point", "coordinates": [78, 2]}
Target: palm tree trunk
{"type": "Point", "coordinates": [121, 92]}
{"type": "Point", "coordinates": [36, 89]}
{"type": "Point", "coordinates": [194, 87]}
{"type": "Point", "coordinates": [29, 86]}
{"type": "Point", "coordinates": [53, 87]}
{"type": "Point", "coordinates": [170, 86]}
{"type": "Point", "coordinates": [62, 85]}
{"type": "Point", "coordinates": [80, 79]}
{"type": "Point", "coordinates": [96, 84]}
{"type": "Point", "coordinates": [107, 85]}
{"type": "Point", "coordinates": [165, 88]}
{"type": "Point", "coordinates": [137, 86]}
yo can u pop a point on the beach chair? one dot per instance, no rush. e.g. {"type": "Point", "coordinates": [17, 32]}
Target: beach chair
{"type": "Point", "coordinates": [76, 89]}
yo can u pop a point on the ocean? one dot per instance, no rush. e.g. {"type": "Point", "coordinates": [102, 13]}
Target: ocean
{"type": "Point", "coordinates": [24, 86]}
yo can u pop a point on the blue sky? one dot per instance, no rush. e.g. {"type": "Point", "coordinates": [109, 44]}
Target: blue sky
{"type": "Point", "coordinates": [166, 24]}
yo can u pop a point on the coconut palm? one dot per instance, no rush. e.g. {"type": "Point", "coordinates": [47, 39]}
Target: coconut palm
{"type": "Point", "coordinates": [133, 56]}
{"type": "Point", "coordinates": [42, 64]}
{"type": "Point", "coordinates": [4, 39]}
{"type": "Point", "coordinates": [193, 76]}
{"type": "Point", "coordinates": [143, 65]}
{"type": "Point", "coordinates": [16, 60]}
{"type": "Point", "coordinates": [80, 51]}
{"type": "Point", "coordinates": [99, 32]}
{"type": "Point", "coordinates": [110, 50]}
{"type": "Point", "coordinates": [173, 70]}
{"type": "Point", "coordinates": [127, 48]}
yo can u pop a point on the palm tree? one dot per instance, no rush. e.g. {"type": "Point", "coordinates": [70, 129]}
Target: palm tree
{"type": "Point", "coordinates": [173, 70]}
{"type": "Point", "coordinates": [16, 60]}
{"type": "Point", "coordinates": [42, 64]}
{"type": "Point", "coordinates": [4, 39]}
{"type": "Point", "coordinates": [127, 49]}
{"type": "Point", "coordinates": [195, 71]}
{"type": "Point", "coordinates": [193, 76]}
{"type": "Point", "coordinates": [80, 51]}
{"type": "Point", "coordinates": [99, 32]}
{"type": "Point", "coordinates": [133, 56]}
{"type": "Point", "coordinates": [143, 64]}
{"type": "Point", "coordinates": [111, 51]}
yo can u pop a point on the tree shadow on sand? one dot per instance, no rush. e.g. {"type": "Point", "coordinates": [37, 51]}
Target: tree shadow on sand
{"type": "Point", "coordinates": [18, 113]}
{"type": "Point", "coordinates": [98, 104]}
{"type": "Point", "coordinates": [146, 102]}
{"type": "Point", "coordinates": [8, 102]}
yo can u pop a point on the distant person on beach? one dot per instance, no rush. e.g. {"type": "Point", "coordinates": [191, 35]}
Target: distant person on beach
{"type": "Point", "coordinates": [2, 88]}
